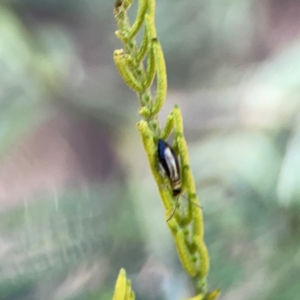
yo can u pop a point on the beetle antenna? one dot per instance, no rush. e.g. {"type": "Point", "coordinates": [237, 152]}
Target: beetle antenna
{"type": "Point", "coordinates": [173, 210]}
{"type": "Point", "coordinates": [194, 203]}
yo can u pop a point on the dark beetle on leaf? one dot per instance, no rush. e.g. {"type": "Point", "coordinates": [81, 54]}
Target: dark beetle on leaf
{"type": "Point", "coordinates": [169, 162]}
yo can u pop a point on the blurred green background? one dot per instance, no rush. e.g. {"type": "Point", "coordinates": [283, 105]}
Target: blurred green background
{"type": "Point", "coordinates": [77, 199]}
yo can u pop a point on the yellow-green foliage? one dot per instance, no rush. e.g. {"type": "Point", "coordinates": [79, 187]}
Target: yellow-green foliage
{"type": "Point", "coordinates": [187, 224]}
{"type": "Point", "coordinates": [123, 289]}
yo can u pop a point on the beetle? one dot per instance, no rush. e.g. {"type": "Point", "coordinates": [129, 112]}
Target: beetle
{"type": "Point", "coordinates": [169, 162]}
